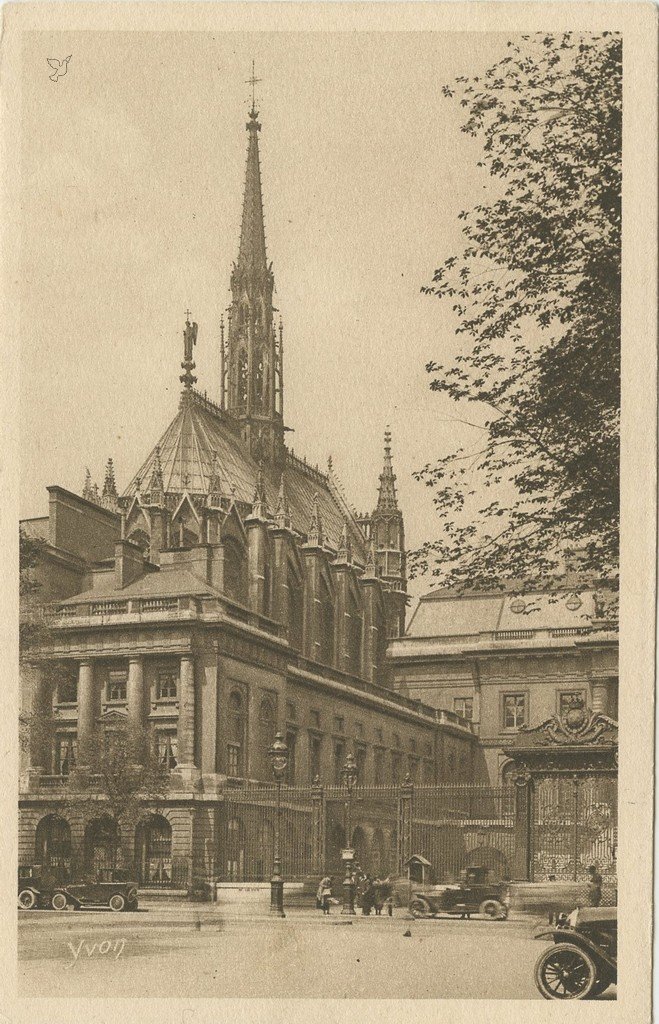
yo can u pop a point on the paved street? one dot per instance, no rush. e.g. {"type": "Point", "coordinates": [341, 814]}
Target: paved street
{"type": "Point", "coordinates": [183, 950]}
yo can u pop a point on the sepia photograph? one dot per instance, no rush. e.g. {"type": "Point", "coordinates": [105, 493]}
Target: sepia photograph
{"type": "Point", "coordinates": [320, 614]}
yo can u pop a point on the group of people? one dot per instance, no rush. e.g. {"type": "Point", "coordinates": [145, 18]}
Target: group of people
{"type": "Point", "coordinates": [371, 894]}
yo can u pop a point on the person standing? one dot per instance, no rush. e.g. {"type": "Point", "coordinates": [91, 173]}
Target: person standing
{"type": "Point", "coordinates": [594, 886]}
{"type": "Point", "coordinates": [324, 894]}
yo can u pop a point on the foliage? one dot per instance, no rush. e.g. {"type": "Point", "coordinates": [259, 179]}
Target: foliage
{"type": "Point", "coordinates": [122, 773]}
{"type": "Point", "coordinates": [536, 296]}
{"type": "Point", "coordinates": [33, 627]}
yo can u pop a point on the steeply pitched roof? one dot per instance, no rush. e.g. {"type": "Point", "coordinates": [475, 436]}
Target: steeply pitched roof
{"type": "Point", "coordinates": [201, 436]}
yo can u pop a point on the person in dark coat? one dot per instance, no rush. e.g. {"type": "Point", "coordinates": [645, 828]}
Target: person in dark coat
{"type": "Point", "coordinates": [594, 886]}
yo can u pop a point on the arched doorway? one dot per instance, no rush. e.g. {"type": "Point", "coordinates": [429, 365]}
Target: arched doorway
{"type": "Point", "coordinates": [101, 848]}
{"type": "Point", "coordinates": [52, 845]}
{"type": "Point", "coordinates": [153, 852]}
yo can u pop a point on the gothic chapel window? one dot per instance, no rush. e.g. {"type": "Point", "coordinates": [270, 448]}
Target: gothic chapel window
{"type": "Point", "coordinates": [236, 744]}
{"type": "Point", "coordinates": [326, 637]}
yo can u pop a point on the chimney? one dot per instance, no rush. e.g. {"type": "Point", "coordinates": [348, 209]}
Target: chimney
{"type": "Point", "coordinates": [128, 563]}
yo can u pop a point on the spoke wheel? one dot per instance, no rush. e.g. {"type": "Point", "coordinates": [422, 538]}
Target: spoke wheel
{"type": "Point", "coordinates": [59, 901]}
{"type": "Point", "coordinates": [26, 899]}
{"type": "Point", "coordinates": [565, 971]}
{"type": "Point", "coordinates": [492, 908]}
{"type": "Point", "coordinates": [117, 902]}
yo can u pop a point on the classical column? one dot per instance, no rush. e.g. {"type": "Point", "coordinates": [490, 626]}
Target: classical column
{"type": "Point", "coordinates": [186, 713]}
{"type": "Point", "coordinates": [39, 722]}
{"type": "Point", "coordinates": [85, 711]}
{"type": "Point", "coordinates": [135, 695]}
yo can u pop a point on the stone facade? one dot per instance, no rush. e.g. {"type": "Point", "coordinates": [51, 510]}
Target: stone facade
{"type": "Point", "coordinates": [508, 662]}
{"type": "Point", "coordinates": [228, 594]}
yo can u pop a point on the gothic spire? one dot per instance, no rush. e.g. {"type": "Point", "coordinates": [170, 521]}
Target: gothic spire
{"type": "Point", "coordinates": [88, 489]}
{"type": "Point", "coordinates": [109, 496]}
{"type": "Point", "coordinates": [214, 497]}
{"type": "Point", "coordinates": [251, 254]}
{"type": "Point", "coordinates": [370, 572]}
{"type": "Point", "coordinates": [282, 513]}
{"type": "Point", "coordinates": [387, 501]}
{"type": "Point", "coordinates": [315, 536]}
{"type": "Point", "coordinates": [157, 485]}
{"type": "Point", "coordinates": [345, 547]}
{"type": "Point", "coordinates": [259, 504]}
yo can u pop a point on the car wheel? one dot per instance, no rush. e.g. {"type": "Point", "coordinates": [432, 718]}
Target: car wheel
{"type": "Point", "coordinates": [565, 971]}
{"type": "Point", "coordinates": [493, 909]}
{"type": "Point", "coordinates": [27, 899]}
{"type": "Point", "coordinates": [59, 901]}
{"type": "Point", "coordinates": [419, 908]}
{"type": "Point", "coordinates": [117, 902]}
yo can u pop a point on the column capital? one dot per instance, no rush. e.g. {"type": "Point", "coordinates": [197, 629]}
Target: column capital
{"type": "Point", "coordinates": [135, 659]}
{"type": "Point", "coordinates": [85, 662]}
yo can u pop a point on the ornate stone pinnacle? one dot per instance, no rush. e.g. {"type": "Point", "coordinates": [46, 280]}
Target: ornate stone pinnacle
{"type": "Point", "coordinates": [315, 536]}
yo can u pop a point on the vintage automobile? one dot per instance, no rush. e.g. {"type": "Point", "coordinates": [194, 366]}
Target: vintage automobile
{"type": "Point", "coordinates": [582, 963]}
{"type": "Point", "coordinates": [41, 889]}
{"type": "Point", "coordinates": [472, 895]}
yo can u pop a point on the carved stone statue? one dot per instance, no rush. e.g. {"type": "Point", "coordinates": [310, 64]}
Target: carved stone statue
{"type": "Point", "coordinates": [189, 340]}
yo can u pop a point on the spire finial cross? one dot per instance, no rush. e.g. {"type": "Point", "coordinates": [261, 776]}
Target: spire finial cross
{"type": "Point", "coordinates": [253, 80]}
{"type": "Point", "coordinates": [188, 313]}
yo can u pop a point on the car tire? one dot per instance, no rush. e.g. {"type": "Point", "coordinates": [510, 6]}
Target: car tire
{"type": "Point", "coordinates": [492, 909]}
{"type": "Point", "coordinates": [419, 908]}
{"type": "Point", "coordinates": [565, 971]}
{"type": "Point", "coordinates": [27, 899]}
{"type": "Point", "coordinates": [59, 901]}
{"type": "Point", "coordinates": [117, 902]}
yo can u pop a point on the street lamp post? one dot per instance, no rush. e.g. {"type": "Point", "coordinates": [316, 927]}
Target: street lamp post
{"type": "Point", "coordinates": [278, 754]}
{"type": "Point", "coordinates": [349, 774]}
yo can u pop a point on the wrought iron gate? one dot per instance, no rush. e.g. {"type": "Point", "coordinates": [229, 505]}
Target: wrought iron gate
{"type": "Point", "coordinates": [574, 823]}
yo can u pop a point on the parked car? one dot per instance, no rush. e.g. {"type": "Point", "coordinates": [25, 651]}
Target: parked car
{"type": "Point", "coordinates": [472, 895]}
{"type": "Point", "coordinates": [40, 889]}
{"type": "Point", "coordinates": [582, 963]}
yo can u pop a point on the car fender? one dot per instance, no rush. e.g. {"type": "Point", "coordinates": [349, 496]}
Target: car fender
{"type": "Point", "coordinates": [75, 900]}
{"type": "Point", "coordinates": [582, 940]}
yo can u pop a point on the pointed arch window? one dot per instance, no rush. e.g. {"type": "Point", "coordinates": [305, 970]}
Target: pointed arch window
{"type": "Point", "coordinates": [326, 638]}
{"type": "Point", "coordinates": [243, 383]}
{"type": "Point", "coordinates": [354, 637]}
{"type": "Point", "coordinates": [237, 723]}
{"type": "Point", "coordinates": [295, 610]}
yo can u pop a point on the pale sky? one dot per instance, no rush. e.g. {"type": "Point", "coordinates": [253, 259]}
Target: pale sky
{"type": "Point", "coordinates": [133, 168]}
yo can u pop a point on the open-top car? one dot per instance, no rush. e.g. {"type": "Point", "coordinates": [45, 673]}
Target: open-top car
{"type": "Point", "coordinates": [472, 895]}
{"type": "Point", "coordinates": [582, 962]}
{"type": "Point", "coordinates": [41, 889]}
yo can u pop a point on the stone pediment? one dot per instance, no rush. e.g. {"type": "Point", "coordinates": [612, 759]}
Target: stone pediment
{"type": "Point", "coordinates": [113, 716]}
{"type": "Point", "coordinates": [577, 726]}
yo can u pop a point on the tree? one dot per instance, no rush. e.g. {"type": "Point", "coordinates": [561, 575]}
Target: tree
{"type": "Point", "coordinates": [123, 775]}
{"type": "Point", "coordinates": [536, 298]}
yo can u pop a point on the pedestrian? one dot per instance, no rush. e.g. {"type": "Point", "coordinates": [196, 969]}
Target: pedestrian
{"type": "Point", "coordinates": [594, 886]}
{"type": "Point", "coordinates": [324, 894]}
{"type": "Point", "coordinates": [379, 897]}
{"type": "Point", "coordinates": [367, 897]}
